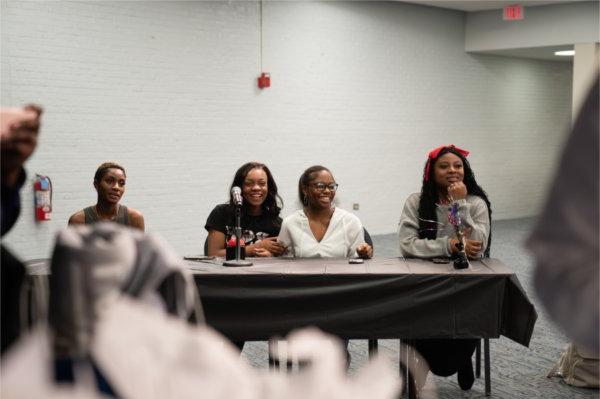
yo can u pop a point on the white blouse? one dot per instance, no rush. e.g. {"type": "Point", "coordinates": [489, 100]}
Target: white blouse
{"type": "Point", "coordinates": [343, 235]}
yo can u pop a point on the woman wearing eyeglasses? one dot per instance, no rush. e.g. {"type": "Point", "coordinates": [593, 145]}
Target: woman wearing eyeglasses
{"type": "Point", "coordinates": [320, 229]}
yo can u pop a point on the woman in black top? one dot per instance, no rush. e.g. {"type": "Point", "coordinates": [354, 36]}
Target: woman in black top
{"type": "Point", "coordinates": [260, 219]}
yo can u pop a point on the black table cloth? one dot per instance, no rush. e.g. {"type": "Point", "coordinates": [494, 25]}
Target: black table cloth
{"type": "Point", "coordinates": [382, 298]}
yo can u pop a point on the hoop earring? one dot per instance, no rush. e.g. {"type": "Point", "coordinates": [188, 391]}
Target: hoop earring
{"type": "Point", "coordinates": [305, 200]}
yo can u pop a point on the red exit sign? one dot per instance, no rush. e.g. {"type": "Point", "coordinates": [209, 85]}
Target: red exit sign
{"type": "Point", "coordinates": [514, 12]}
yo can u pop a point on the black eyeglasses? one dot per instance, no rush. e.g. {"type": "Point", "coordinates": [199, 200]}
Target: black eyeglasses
{"type": "Point", "coordinates": [323, 186]}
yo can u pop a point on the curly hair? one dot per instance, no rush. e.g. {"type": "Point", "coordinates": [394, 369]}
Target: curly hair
{"type": "Point", "coordinates": [429, 197]}
{"type": "Point", "coordinates": [272, 205]}
{"type": "Point", "coordinates": [104, 167]}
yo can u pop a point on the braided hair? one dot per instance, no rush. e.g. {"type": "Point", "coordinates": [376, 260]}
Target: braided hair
{"type": "Point", "coordinates": [430, 198]}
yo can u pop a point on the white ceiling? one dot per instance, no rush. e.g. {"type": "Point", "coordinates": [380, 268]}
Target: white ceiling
{"type": "Point", "coordinates": [482, 5]}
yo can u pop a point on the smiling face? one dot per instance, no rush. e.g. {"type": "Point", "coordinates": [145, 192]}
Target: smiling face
{"type": "Point", "coordinates": [111, 186]}
{"type": "Point", "coordinates": [320, 190]}
{"type": "Point", "coordinates": [448, 169]}
{"type": "Point", "coordinates": [255, 188]}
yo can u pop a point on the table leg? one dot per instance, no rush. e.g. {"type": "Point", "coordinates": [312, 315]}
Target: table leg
{"type": "Point", "coordinates": [413, 392]}
{"type": "Point", "coordinates": [478, 359]}
{"type": "Point", "coordinates": [406, 363]}
{"type": "Point", "coordinates": [373, 347]}
{"type": "Point", "coordinates": [486, 359]}
{"type": "Point", "coordinates": [272, 349]}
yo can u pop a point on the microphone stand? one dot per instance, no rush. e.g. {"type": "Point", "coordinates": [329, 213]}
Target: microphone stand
{"type": "Point", "coordinates": [238, 233]}
{"type": "Point", "coordinates": [461, 261]}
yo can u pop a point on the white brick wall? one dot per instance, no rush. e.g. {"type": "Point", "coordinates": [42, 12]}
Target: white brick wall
{"type": "Point", "coordinates": [168, 90]}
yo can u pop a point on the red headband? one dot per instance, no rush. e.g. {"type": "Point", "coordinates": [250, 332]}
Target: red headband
{"type": "Point", "coordinates": [433, 154]}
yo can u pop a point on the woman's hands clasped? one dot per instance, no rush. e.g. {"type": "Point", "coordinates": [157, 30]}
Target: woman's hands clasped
{"type": "Point", "coordinates": [472, 247]}
{"type": "Point", "coordinates": [364, 251]}
{"type": "Point", "coordinates": [268, 247]}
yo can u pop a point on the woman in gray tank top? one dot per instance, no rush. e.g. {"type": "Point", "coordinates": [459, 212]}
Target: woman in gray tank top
{"type": "Point", "coordinates": [109, 182]}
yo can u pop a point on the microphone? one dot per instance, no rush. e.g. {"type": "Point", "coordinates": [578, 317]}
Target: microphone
{"type": "Point", "coordinates": [236, 194]}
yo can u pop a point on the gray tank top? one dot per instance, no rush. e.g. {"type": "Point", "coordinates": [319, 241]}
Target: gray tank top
{"type": "Point", "coordinates": [92, 217]}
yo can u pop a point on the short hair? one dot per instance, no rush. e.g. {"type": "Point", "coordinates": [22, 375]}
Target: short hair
{"type": "Point", "coordinates": [104, 167]}
{"type": "Point", "coordinates": [306, 178]}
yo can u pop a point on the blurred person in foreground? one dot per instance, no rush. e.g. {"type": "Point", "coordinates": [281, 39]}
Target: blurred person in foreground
{"type": "Point", "coordinates": [565, 240]}
{"type": "Point", "coordinates": [19, 129]}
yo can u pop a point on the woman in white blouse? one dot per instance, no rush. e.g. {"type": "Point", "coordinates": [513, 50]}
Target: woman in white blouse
{"type": "Point", "coordinates": [320, 229]}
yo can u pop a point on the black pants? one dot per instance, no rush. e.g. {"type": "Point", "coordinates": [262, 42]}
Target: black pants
{"type": "Point", "coordinates": [445, 356]}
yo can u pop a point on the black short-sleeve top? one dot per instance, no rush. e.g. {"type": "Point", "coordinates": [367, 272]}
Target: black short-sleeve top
{"type": "Point", "coordinates": [254, 228]}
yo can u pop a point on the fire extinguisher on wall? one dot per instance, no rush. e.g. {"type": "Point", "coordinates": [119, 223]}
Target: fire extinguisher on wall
{"type": "Point", "coordinates": [42, 189]}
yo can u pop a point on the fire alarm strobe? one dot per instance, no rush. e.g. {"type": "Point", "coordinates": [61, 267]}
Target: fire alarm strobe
{"type": "Point", "coordinates": [264, 80]}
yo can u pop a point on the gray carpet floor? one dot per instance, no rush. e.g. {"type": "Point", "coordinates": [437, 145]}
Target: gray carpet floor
{"type": "Point", "coordinates": [516, 371]}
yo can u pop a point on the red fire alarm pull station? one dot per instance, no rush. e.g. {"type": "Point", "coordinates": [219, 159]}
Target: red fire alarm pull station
{"type": "Point", "coordinates": [514, 12]}
{"type": "Point", "coordinates": [264, 80]}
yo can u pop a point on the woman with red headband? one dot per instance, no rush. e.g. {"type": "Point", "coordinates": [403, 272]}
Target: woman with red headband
{"type": "Point", "coordinates": [425, 232]}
